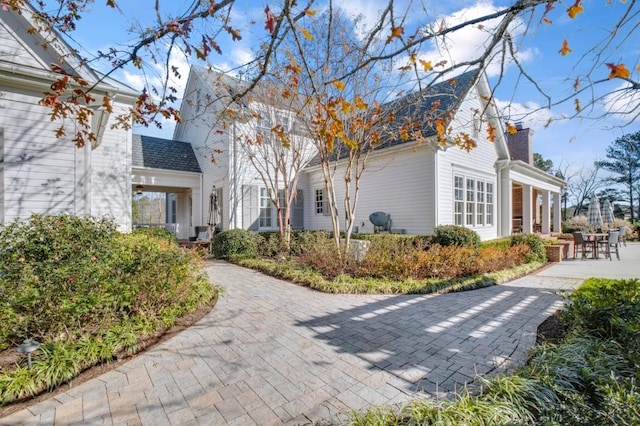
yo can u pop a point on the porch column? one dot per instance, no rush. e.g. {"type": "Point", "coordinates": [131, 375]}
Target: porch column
{"type": "Point", "coordinates": [505, 205]}
{"type": "Point", "coordinates": [546, 212]}
{"type": "Point", "coordinates": [197, 208]}
{"type": "Point", "coordinates": [183, 216]}
{"type": "Point", "coordinates": [557, 212]}
{"type": "Point", "coordinates": [527, 213]}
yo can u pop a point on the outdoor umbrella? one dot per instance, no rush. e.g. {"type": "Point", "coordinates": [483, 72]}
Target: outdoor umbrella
{"type": "Point", "coordinates": [594, 217]}
{"type": "Point", "coordinates": [607, 211]}
{"type": "Point", "coordinates": [214, 209]}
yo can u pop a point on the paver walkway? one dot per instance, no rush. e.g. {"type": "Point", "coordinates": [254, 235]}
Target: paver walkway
{"type": "Point", "coordinates": [275, 353]}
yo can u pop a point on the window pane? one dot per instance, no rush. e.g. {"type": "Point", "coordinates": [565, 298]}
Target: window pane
{"type": "Point", "coordinates": [266, 217]}
{"type": "Point", "coordinates": [319, 201]}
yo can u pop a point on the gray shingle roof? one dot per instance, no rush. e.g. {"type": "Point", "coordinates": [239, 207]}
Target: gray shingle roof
{"type": "Point", "coordinates": [157, 153]}
{"type": "Point", "coordinates": [436, 101]}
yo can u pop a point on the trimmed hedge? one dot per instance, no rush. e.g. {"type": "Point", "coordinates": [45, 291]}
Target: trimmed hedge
{"type": "Point", "coordinates": [452, 235]}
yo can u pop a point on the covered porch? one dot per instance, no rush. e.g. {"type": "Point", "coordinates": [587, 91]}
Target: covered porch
{"type": "Point", "coordinates": [531, 200]}
{"type": "Point", "coordinates": [179, 210]}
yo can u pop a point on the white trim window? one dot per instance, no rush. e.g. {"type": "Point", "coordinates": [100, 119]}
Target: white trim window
{"type": "Point", "coordinates": [321, 203]}
{"type": "Point", "coordinates": [489, 205]}
{"type": "Point", "coordinates": [473, 202]}
{"type": "Point", "coordinates": [458, 200]}
{"type": "Point", "coordinates": [266, 210]}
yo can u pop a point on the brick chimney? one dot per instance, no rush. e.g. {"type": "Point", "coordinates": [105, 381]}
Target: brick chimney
{"type": "Point", "coordinates": [521, 144]}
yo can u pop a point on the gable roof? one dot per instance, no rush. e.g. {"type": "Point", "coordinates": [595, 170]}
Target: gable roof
{"type": "Point", "coordinates": [435, 101]}
{"type": "Point", "coordinates": [438, 100]}
{"type": "Point", "coordinates": [157, 153]}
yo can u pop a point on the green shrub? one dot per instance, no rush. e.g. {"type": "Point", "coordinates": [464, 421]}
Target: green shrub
{"type": "Point", "coordinates": [65, 275]}
{"type": "Point", "coordinates": [157, 232]}
{"type": "Point", "coordinates": [235, 243]}
{"type": "Point", "coordinates": [537, 251]}
{"type": "Point", "coordinates": [453, 235]}
{"type": "Point", "coordinates": [607, 308]}
{"type": "Point", "coordinates": [86, 292]}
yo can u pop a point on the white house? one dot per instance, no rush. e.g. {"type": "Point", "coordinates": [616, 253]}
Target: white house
{"type": "Point", "coordinates": [219, 140]}
{"type": "Point", "coordinates": [493, 189]}
{"type": "Point", "coordinates": [487, 189]}
{"type": "Point", "coordinates": [40, 173]}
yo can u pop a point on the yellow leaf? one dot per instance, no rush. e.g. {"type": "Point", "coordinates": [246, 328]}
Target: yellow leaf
{"type": "Point", "coordinates": [339, 85]}
{"type": "Point", "coordinates": [440, 127]}
{"type": "Point", "coordinates": [638, 68]}
{"type": "Point", "coordinates": [310, 12]}
{"type": "Point", "coordinates": [618, 71]}
{"type": "Point", "coordinates": [305, 33]}
{"type": "Point", "coordinates": [426, 65]}
{"type": "Point", "coordinates": [511, 129]}
{"type": "Point", "coordinates": [575, 9]}
{"type": "Point", "coordinates": [565, 50]}
{"type": "Point", "coordinates": [577, 103]}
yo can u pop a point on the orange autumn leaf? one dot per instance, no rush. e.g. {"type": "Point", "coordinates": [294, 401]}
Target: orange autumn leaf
{"type": "Point", "coordinates": [426, 65]}
{"type": "Point", "coordinates": [360, 104]}
{"type": "Point", "coordinates": [310, 12]}
{"type": "Point", "coordinates": [305, 33]}
{"type": "Point", "coordinates": [618, 71]}
{"type": "Point", "coordinates": [491, 133]}
{"type": "Point", "coordinates": [565, 48]}
{"type": "Point", "coordinates": [511, 129]}
{"type": "Point", "coordinates": [576, 84]}
{"type": "Point", "coordinates": [638, 68]}
{"type": "Point", "coordinates": [575, 9]}
{"type": "Point", "coordinates": [396, 32]}
{"type": "Point", "coordinates": [106, 104]}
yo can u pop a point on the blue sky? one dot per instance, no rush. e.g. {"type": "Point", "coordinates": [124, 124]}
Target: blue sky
{"type": "Point", "coordinates": [577, 142]}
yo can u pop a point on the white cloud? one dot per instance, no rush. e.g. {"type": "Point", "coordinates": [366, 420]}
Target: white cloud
{"type": "Point", "coordinates": [623, 102]}
{"type": "Point", "coordinates": [155, 76]}
{"type": "Point", "coordinates": [467, 43]}
{"type": "Point", "coordinates": [531, 114]}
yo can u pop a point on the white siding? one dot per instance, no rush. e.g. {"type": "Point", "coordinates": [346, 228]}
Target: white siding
{"type": "Point", "coordinates": [397, 182]}
{"type": "Point", "coordinates": [15, 51]}
{"type": "Point", "coordinates": [111, 174]}
{"type": "Point", "coordinates": [47, 175]}
{"type": "Point", "coordinates": [39, 170]}
{"type": "Point", "coordinates": [479, 163]}
{"type": "Point", "coordinates": [198, 128]}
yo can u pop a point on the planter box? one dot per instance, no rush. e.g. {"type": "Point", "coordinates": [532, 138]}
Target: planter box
{"type": "Point", "coordinates": [559, 252]}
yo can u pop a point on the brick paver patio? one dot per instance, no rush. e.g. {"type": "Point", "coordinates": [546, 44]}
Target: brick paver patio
{"type": "Point", "coordinates": [271, 352]}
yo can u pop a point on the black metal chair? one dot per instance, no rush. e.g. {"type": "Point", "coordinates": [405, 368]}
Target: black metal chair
{"type": "Point", "coordinates": [381, 221]}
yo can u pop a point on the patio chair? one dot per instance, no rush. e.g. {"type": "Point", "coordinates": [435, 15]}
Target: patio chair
{"type": "Point", "coordinates": [622, 237]}
{"type": "Point", "coordinates": [580, 244]}
{"type": "Point", "coordinates": [381, 221]}
{"type": "Point", "coordinates": [609, 243]}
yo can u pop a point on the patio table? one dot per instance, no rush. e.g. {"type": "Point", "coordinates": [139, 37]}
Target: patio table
{"type": "Point", "coordinates": [594, 237]}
